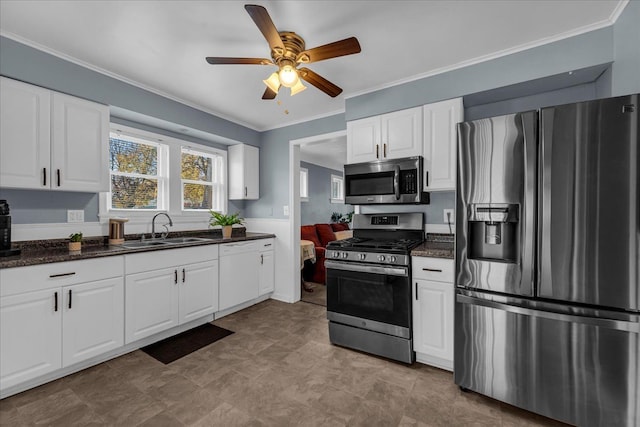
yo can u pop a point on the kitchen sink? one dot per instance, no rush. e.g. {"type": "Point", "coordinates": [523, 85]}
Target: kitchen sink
{"type": "Point", "coordinates": [162, 242]}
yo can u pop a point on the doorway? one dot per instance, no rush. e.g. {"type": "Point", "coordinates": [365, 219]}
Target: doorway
{"type": "Point", "coordinates": [310, 149]}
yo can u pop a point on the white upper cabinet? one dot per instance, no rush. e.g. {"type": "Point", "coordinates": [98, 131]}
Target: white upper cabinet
{"type": "Point", "coordinates": [79, 145]}
{"type": "Point", "coordinates": [244, 172]}
{"type": "Point", "coordinates": [440, 142]}
{"type": "Point", "coordinates": [25, 114]}
{"type": "Point", "coordinates": [402, 134]}
{"type": "Point", "coordinates": [388, 136]}
{"type": "Point", "coordinates": [50, 140]}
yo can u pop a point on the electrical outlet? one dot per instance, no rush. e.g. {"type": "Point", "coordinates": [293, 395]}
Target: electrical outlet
{"type": "Point", "coordinates": [75, 216]}
{"type": "Point", "coordinates": [285, 210]}
{"type": "Point", "coordinates": [452, 217]}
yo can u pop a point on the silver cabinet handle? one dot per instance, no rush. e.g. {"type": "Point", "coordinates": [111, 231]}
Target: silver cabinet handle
{"type": "Point", "coordinates": [184, 275]}
{"type": "Point", "coordinates": [435, 270]}
{"type": "Point", "coordinates": [70, 299]}
{"type": "Point", "coordinates": [261, 259]}
{"type": "Point", "coordinates": [44, 176]}
{"type": "Point", "coordinates": [55, 301]}
{"type": "Point", "coordinates": [245, 191]}
{"type": "Point", "coordinates": [58, 174]}
{"type": "Point", "coordinates": [384, 150]}
{"type": "Point", "coordinates": [175, 277]}
{"type": "Point", "coordinates": [377, 151]}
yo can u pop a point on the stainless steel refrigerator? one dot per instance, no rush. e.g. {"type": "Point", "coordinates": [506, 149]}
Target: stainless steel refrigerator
{"type": "Point", "coordinates": [547, 311]}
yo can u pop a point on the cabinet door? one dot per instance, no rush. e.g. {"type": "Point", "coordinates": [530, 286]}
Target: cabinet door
{"type": "Point", "coordinates": [267, 273]}
{"type": "Point", "coordinates": [433, 319]}
{"type": "Point", "coordinates": [402, 134]}
{"type": "Point", "coordinates": [93, 319]}
{"type": "Point", "coordinates": [244, 172]}
{"type": "Point", "coordinates": [151, 303]}
{"type": "Point", "coordinates": [24, 135]}
{"type": "Point", "coordinates": [363, 140]}
{"type": "Point", "coordinates": [79, 145]}
{"type": "Point", "coordinates": [30, 336]}
{"type": "Point", "coordinates": [440, 142]}
{"type": "Point", "coordinates": [238, 279]}
{"type": "Point", "coordinates": [252, 173]}
{"type": "Point", "coordinates": [198, 290]}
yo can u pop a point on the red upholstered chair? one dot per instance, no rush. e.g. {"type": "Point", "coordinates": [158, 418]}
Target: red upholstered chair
{"type": "Point", "coordinates": [320, 235]}
{"type": "Point", "coordinates": [339, 226]}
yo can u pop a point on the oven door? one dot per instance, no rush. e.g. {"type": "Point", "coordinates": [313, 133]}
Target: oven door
{"type": "Point", "coordinates": [370, 296]}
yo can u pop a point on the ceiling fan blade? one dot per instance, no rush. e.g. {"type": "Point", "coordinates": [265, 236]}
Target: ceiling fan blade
{"type": "Point", "coordinates": [262, 19]}
{"type": "Point", "coordinates": [320, 82]}
{"type": "Point", "coordinates": [269, 94]}
{"type": "Point", "coordinates": [216, 60]}
{"type": "Point", "coordinates": [332, 50]}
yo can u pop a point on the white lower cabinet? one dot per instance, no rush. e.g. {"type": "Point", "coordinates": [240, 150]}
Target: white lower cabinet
{"type": "Point", "coordinates": [266, 274]}
{"type": "Point", "coordinates": [168, 288]}
{"type": "Point", "coordinates": [30, 336]}
{"type": "Point", "coordinates": [92, 319]}
{"type": "Point", "coordinates": [433, 307]}
{"type": "Point", "coordinates": [55, 315]}
{"type": "Point", "coordinates": [239, 266]}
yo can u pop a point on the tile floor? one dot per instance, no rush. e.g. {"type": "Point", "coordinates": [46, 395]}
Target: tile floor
{"type": "Point", "coordinates": [278, 369]}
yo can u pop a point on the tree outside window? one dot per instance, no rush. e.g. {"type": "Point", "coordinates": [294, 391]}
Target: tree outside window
{"type": "Point", "coordinates": [136, 181]}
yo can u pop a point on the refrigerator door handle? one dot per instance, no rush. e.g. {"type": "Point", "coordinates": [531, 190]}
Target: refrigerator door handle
{"type": "Point", "coordinates": [620, 325]}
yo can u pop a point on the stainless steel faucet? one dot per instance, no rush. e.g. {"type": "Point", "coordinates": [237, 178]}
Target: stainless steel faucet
{"type": "Point", "coordinates": [163, 235]}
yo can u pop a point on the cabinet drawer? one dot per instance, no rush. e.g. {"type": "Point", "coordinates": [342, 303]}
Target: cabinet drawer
{"type": "Point", "coordinates": [165, 258]}
{"type": "Point", "coordinates": [266, 245]}
{"type": "Point", "coordinates": [437, 269]}
{"type": "Point", "coordinates": [46, 276]}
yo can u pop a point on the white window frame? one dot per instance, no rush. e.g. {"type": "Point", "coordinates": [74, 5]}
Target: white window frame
{"type": "Point", "coordinates": [340, 179]}
{"type": "Point", "coordinates": [174, 183]}
{"type": "Point", "coordinates": [304, 184]}
{"type": "Point", "coordinates": [217, 179]}
{"type": "Point", "coordinates": [162, 176]}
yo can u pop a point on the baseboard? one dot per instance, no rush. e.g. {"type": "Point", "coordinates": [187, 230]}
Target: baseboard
{"type": "Point", "coordinates": [434, 361]}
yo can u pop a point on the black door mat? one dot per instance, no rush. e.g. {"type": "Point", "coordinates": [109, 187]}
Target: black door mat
{"type": "Point", "coordinates": [173, 348]}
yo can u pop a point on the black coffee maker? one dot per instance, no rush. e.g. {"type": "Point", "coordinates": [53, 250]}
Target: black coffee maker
{"type": "Point", "coordinates": [5, 231]}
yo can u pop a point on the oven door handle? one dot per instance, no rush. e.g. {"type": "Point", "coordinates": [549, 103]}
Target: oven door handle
{"type": "Point", "coordinates": [367, 268]}
{"type": "Point", "coordinates": [396, 181]}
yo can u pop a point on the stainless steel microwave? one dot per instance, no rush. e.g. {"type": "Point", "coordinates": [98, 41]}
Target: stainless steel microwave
{"type": "Point", "coordinates": [394, 181]}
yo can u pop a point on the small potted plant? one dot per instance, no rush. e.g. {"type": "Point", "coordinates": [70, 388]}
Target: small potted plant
{"type": "Point", "coordinates": [225, 221]}
{"type": "Point", "coordinates": [75, 243]}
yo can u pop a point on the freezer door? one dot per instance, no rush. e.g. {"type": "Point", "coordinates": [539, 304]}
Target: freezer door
{"type": "Point", "coordinates": [495, 215]}
{"type": "Point", "coordinates": [588, 203]}
{"type": "Point", "coordinates": [576, 369]}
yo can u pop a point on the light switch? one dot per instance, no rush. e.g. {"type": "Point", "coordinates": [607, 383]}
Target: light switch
{"type": "Point", "coordinates": [285, 209]}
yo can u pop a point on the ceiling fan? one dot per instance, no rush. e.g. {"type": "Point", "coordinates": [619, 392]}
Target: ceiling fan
{"type": "Point", "coordinates": [287, 52]}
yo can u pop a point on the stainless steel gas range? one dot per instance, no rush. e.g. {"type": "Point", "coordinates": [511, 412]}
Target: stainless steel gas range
{"type": "Point", "coordinates": [369, 285]}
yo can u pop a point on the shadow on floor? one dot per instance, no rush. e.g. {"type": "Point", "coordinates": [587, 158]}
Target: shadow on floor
{"type": "Point", "coordinates": [318, 296]}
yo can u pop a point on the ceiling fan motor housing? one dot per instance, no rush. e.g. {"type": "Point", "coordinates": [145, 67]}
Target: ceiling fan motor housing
{"type": "Point", "coordinates": [293, 44]}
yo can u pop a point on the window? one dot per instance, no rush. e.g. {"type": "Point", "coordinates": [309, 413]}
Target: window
{"type": "Point", "coordinates": [138, 173]}
{"type": "Point", "coordinates": [202, 180]}
{"type": "Point", "coordinates": [150, 172]}
{"type": "Point", "coordinates": [304, 185]}
{"type": "Point", "coordinates": [337, 189]}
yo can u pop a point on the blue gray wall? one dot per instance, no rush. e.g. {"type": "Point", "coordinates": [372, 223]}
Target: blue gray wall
{"type": "Point", "coordinates": [433, 212]}
{"type": "Point", "coordinates": [318, 209]}
{"type": "Point", "coordinates": [617, 44]}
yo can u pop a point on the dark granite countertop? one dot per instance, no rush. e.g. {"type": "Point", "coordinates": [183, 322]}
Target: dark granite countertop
{"type": "Point", "coordinates": [436, 246]}
{"type": "Point", "coordinates": [56, 250]}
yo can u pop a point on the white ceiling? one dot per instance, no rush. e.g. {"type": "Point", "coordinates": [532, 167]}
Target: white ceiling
{"type": "Point", "coordinates": [161, 45]}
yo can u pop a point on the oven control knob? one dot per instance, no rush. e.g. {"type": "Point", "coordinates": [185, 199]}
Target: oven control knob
{"type": "Point", "coordinates": [381, 258]}
{"type": "Point", "coordinates": [335, 254]}
{"type": "Point", "coordinates": [362, 256]}
{"type": "Point", "coordinates": [393, 259]}
{"type": "Point", "coordinates": [345, 255]}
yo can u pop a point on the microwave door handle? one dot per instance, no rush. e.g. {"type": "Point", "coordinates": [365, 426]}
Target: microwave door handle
{"type": "Point", "coordinates": [396, 182]}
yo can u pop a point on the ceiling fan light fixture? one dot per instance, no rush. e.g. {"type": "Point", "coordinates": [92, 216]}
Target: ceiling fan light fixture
{"type": "Point", "coordinates": [297, 88]}
{"type": "Point", "coordinates": [273, 82]}
{"type": "Point", "coordinates": [288, 76]}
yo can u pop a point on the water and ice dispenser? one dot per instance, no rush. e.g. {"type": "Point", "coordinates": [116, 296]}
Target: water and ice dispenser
{"type": "Point", "coordinates": [493, 232]}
